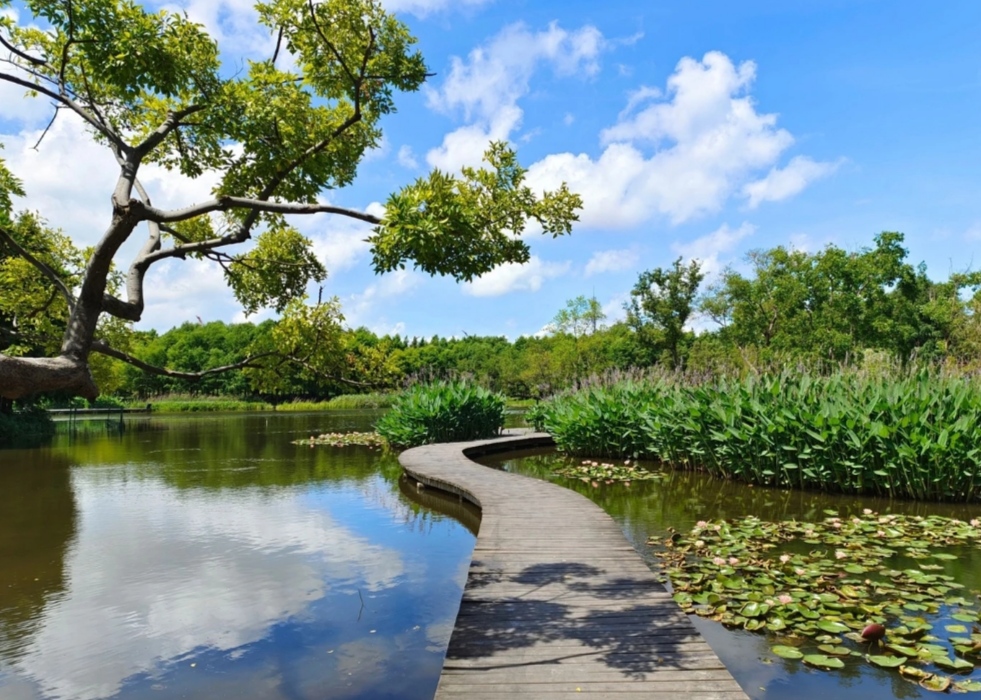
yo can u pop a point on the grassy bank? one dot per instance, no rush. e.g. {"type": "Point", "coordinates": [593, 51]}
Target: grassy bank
{"type": "Point", "coordinates": [910, 435]}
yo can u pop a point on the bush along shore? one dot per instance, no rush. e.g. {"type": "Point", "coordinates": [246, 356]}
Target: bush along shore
{"type": "Point", "coordinates": [453, 411]}
{"type": "Point", "coordinates": [910, 434]}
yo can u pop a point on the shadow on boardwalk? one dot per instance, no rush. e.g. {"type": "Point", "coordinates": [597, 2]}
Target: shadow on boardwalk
{"type": "Point", "coordinates": [561, 608]}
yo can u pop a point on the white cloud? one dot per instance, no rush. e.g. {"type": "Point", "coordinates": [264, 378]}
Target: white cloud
{"type": "Point", "coordinates": [358, 308]}
{"type": "Point", "coordinates": [611, 261]}
{"type": "Point", "coordinates": [422, 8]}
{"type": "Point", "coordinates": [781, 183]}
{"type": "Point", "coordinates": [613, 309]}
{"type": "Point", "coordinates": [709, 248]}
{"type": "Point", "coordinates": [512, 277]}
{"type": "Point", "coordinates": [487, 86]}
{"type": "Point", "coordinates": [706, 140]}
{"type": "Point", "coordinates": [338, 241]}
{"type": "Point", "coordinates": [407, 158]}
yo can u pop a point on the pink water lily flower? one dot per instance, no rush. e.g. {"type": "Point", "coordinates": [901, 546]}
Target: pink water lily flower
{"type": "Point", "coordinates": [785, 599]}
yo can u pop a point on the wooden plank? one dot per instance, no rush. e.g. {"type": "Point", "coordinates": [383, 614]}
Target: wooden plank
{"type": "Point", "coordinates": [557, 603]}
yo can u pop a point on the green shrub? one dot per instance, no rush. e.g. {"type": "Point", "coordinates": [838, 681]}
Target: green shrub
{"type": "Point", "coordinates": [911, 435]}
{"type": "Point", "coordinates": [25, 426]}
{"type": "Point", "coordinates": [442, 412]}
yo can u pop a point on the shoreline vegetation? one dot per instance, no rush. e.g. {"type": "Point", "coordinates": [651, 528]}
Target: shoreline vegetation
{"type": "Point", "coordinates": [913, 434]}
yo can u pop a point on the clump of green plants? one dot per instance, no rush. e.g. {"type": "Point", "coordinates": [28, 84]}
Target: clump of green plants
{"type": "Point", "coordinates": [868, 589]}
{"type": "Point", "coordinates": [446, 411]}
{"type": "Point", "coordinates": [370, 440]}
{"type": "Point", "coordinates": [29, 424]}
{"type": "Point", "coordinates": [910, 435]}
{"type": "Point", "coordinates": [596, 473]}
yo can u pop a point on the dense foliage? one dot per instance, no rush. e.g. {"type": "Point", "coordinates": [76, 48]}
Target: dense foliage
{"type": "Point", "coordinates": [28, 425]}
{"type": "Point", "coordinates": [442, 412]}
{"type": "Point", "coordinates": [905, 434]}
{"type": "Point", "coordinates": [264, 140]}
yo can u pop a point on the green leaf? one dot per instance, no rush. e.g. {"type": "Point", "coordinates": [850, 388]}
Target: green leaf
{"type": "Point", "coordinates": [785, 652]}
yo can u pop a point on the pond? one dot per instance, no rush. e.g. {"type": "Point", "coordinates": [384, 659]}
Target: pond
{"type": "Point", "coordinates": [646, 509]}
{"type": "Point", "coordinates": [208, 557]}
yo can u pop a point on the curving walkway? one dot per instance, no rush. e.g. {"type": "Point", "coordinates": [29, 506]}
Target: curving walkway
{"type": "Point", "coordinates": [557, 603]}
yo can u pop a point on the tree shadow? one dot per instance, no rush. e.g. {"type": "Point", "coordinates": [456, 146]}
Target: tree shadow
{"type": "Point", "coordinates": [568, 616]}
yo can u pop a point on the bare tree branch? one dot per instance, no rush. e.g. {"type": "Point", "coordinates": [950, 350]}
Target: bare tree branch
{"type": "Point", "coordinates": [173, 121]}
{"type": "Point", "coordinates": [47, 271]}
{"type": "Point", "coordinates": [258, 205]}
{"type": "Point", "coordinates": [70, 104]}
{"type": "Point", "coordinates": [104, 348]}
{"type": "Point", "coordinates": [33, 60]}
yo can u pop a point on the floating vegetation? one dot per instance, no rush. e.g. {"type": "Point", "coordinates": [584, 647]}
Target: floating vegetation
{"type": "Point", "coordinates": [372, 440]}
{"type": "Point", "coordinates": [871, 589]}
{"type": "Point", "coordinates": [605, 472]}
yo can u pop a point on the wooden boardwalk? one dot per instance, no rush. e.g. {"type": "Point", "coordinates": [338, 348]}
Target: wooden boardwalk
{"type": "Point", "coordinates": [557, 603]}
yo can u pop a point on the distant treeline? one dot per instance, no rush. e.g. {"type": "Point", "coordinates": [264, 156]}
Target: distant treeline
{"type": "Point", "coordinates": [787, 307]}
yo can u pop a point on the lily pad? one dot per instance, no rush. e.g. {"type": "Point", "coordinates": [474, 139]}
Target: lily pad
{"type": "Point", "coordinates": [785, 652]}
{"type": "Point", "coordinates": [886, 661]}
{"type": "Point", "coordinates": [823, 662]}
{"type": "Point", "coordinates": [914, 673]}
{"type": "Point", "coordinates": [832, 626]}
{"type": "Point", "coordinates": [953, 664]}
{"type": "Point", "coordinates": [938, 684]}
{"type": "Point", "coordinates": [968, 686]}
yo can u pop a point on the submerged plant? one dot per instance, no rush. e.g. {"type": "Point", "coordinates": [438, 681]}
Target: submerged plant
{"type": "Point", "coordinates": [872, 587]}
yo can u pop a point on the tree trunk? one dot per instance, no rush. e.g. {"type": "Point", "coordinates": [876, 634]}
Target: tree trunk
{"type": "Point", "coordinates": [25, 376]}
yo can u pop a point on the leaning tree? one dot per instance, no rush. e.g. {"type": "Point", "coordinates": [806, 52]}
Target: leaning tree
{"type": "Point", "coordinates": [276, 135]}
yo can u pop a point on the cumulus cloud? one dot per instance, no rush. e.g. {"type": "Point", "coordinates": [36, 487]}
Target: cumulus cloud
{"type": "Point", "coordinates": [407, 158]}
{"type": "Point", "coordinates": [487, 85]}
{"type": "Point", "coordinates": [512, 277]}
{"type": "Point", "coordinates": [611, 261]}
{"type": "Point", "coordinates": [710, 248]}
{"type": "Point", "coordinates": [679, 153]}
{"type": "Point", "coordinates": [782, 183]}
{"type": "Point", "coordinates": [359, 308]}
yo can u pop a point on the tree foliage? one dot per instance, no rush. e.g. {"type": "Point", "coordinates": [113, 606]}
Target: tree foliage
{"type": "Point", "coordinates": [276, 135]}
{"type": "Point", "coordinates": [660, 305]}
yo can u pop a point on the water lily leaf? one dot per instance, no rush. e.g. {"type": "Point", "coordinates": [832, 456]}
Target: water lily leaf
{"type": "Point", "coordinates": [944, 555]}
{"type": "Point", "coordinates": [785, 652]}
{"type": "Point", "coordinates": [964, 617]}
{"type": "Point", "coordinates": [886, 661]}
{"type": "Point", "coordinates": [832, 626]}
{"type": "Point", "coordinates": [822, 661]}
{"type": "Point", "coordinates": [953, 664]}
{"type": "Point", "coordinates": [914, 673]}
{"type": "Point", "coordinates": [956, 629]}
{"type": "Point", "coordinates": [968, 686]}
{"type": "Point", "coordinates": [832, 650]}
{"type": "Point", "coordinates": [909, 652]}
{"type": "Point", "coordinates": [938, 684]}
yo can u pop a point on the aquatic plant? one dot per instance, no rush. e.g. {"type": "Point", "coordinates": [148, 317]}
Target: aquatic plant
{"type": "Point", "coordinates": [447, 411]}
{"type": "Point", "coordinates": [833, 591]}
{"type": "Point", "coordinates": [371, 440]}
{"type": "Point", "coordinates": [915, 435]}
{"type": "Point", "coordinates": [605, 472]}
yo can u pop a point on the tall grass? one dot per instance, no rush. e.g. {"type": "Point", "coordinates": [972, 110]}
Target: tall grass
{"type": "Point", "coordinates": [906, 434]}
{"type": "Point", "coordinates": [448, 411]}
{"type": "Point", "coordinates": [343, 402]}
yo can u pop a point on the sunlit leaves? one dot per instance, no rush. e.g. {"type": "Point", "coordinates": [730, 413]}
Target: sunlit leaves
{"type": "Point", "coordinates": [442, 412]}
{"type": "Point", "coordinates": [276, 272]}
{"type": "Point", "coordinates": [466, 226]}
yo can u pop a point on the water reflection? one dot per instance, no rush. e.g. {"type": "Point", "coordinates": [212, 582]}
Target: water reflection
{"type": "Point", "coordinates": [37, 524]}
{"type": "Point", "coordinates": [215, 559]}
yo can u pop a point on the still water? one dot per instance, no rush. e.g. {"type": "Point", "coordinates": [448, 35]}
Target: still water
{"type": "Point", "coordinates": [208, 557]}
{"type": "Point", "coordinates": [648, 509]}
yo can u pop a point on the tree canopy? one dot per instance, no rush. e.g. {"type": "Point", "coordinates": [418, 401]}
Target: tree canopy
{"type": "Point", "coordinates": [150, 87]}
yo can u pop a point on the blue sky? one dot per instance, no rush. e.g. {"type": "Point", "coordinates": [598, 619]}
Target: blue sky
{"type": "Point", "coordinates": [691, 129]}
